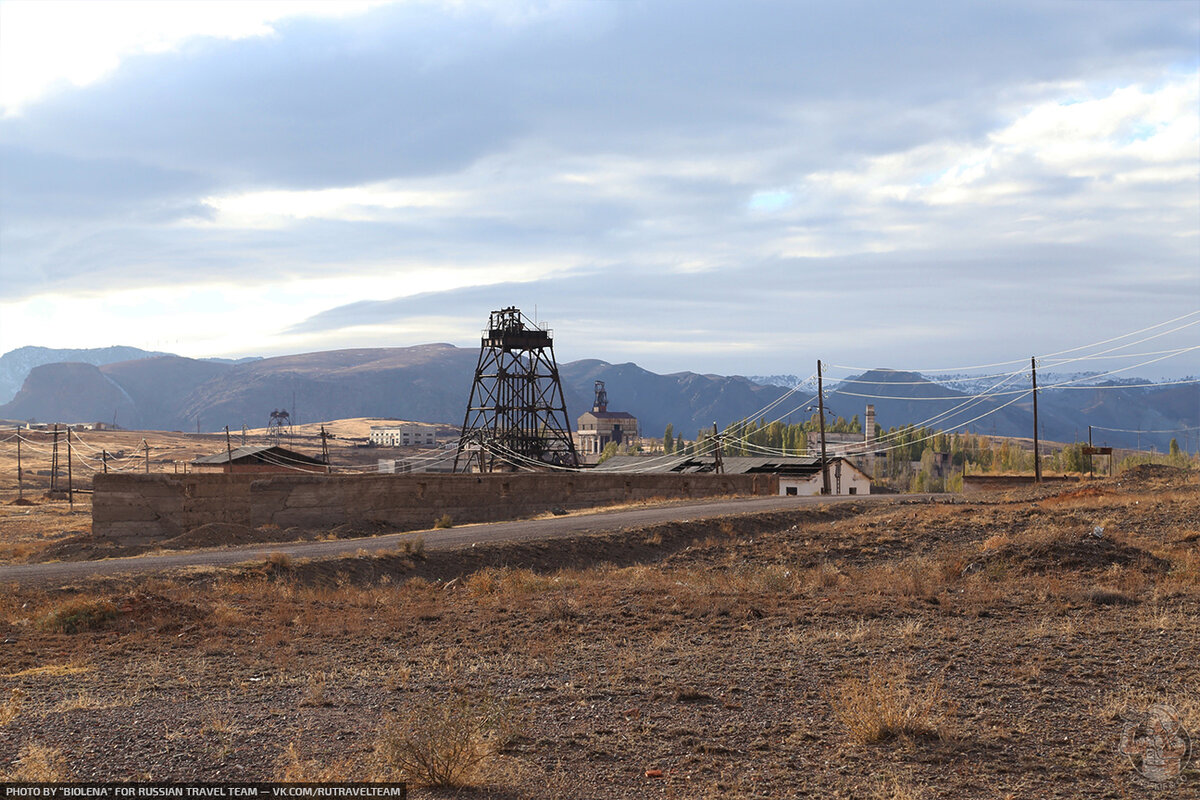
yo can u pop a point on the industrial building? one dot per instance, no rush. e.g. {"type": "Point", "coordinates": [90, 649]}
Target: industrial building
{"type": "Point", "coordinates": [797, 475]}
{"type": "Point", "coordinates": [405, 435]}
{"type": "Point", "coordinates": [599, 427]}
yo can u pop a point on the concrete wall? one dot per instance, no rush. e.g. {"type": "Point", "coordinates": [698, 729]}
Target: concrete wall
{"type": "Point", "coordinates": [973, 484]}
{"type": "Point", "coordinates": [141, 509]}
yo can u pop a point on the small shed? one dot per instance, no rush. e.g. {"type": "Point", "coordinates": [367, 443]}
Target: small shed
{"type": "Point", "coordinates": [798, 475]}
{"type": "Point", "coordinates": [259, 458]}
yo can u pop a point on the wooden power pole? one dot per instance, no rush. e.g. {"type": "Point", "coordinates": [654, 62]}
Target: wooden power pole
{"type": "Point", "coordinates": [70, 476]}
{"type": "Point", "coordinates": [1037, 455]}
{"type": "Point", "coordinates": [718, 464]}
{"type": "Point", "coordinates": [54, 461]}
{"type": "Point", "coordinates": [20, 482]}
{"type": "Point", "coordinates": [821, 414]}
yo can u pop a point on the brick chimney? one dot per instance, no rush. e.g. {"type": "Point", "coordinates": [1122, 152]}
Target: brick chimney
{"type": "Point", "coordinates": [869, 439]}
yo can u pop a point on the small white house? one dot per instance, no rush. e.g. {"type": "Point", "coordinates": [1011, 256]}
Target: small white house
{"type": "Point", "coordinates": [798, 475]}
{"type": "Point", "coordinates": [844, 479]}
{"type": "Point", "coordinates": [406, 435]}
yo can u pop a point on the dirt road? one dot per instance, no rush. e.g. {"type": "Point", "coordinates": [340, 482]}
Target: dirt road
{"type": "Point", "coordinates": [465, 536]}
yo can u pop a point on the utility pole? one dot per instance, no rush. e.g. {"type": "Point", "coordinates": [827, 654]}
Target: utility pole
{"type": "Point", "coordinates": [325, 449]}
{"type": "Point", "coordinates": [54, 461]}
{"type": "Point", "coordinates": [1037, 456]}
{"type": "Point", "coordinates": [718, 464]}
{"type": "Point", "coordinates": [104, 458]}
{"type": "Point", "coordinates": [1091, 469]}
{"type": "Point", "coordinates": [20, 482]}
{"type": "Point", "coordinates": [147, 448]}
{"type": "Point", "coordinates": [70, 478]}
{"type": "Point", "coordinates": [821, 414]}
{"type": "Point", "coordinates": [228, 448]}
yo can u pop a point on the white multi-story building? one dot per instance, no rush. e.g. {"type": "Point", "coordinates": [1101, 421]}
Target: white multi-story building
{"type": "Point", "coordinates": [407, 435]}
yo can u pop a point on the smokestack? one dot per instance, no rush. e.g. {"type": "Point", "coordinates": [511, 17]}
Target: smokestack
{"type": "Point", "coordinates": [869, 438]}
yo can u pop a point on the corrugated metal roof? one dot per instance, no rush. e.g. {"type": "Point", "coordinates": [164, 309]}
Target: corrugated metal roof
{"type": "Point", "coordinates": [250, 451]}
{"type": "Point", "coordinates": [734, 465]}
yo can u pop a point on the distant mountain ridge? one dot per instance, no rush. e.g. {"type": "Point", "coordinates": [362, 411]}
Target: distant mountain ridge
{"type": "Point", "coordinates": [15, 365]}
{"type": "Point", "coordinates": [430, 383]}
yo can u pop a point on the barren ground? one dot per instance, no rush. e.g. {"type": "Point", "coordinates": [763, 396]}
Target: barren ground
{"type": "Point", "coordinates": [723, 660]}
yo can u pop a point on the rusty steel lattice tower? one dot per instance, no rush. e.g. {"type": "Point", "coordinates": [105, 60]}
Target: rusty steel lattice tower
{"type": "Point", "coordinates": [516, 415]}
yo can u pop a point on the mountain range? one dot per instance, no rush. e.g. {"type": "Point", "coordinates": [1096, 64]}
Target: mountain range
{"type": "Point", "coordinates": [430, 383]}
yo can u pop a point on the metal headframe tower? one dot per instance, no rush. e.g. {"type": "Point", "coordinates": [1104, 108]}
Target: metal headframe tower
{"type": "Point", "coordinates": [280, 419]}
{"type": "Point", "coordinates": [516, 415]}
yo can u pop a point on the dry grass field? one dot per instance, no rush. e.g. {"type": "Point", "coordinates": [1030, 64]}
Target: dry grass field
{"type": "Point", "coordinates": [28, 529]}
{"type": "Point", "coordinates": [981, 649]}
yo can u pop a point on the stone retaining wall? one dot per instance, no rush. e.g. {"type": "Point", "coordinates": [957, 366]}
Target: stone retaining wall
{"type": "Point", "coordinates": [973, 484]}
{"type": "Point", "coordinates": [143, 509]}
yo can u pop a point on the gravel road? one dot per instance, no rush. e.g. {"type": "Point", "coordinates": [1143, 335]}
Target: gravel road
{"type": "Point", "coordinates": [445, 539]}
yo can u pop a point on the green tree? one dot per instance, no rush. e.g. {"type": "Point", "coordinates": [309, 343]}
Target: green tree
{"type": "Point", "coordinates": [1174, 448]}
{"type": "Point", "coordinates": [610, 450]}
{"type": "Point", "coordinates": [669, 439]}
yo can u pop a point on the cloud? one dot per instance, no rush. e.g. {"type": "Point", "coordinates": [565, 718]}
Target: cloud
{"type": "Point", "coordinates": [56, 43]}
{"type": "Point", "coordinates": [688, 177]}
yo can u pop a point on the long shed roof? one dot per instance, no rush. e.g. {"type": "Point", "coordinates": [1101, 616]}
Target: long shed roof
{"type": "Point", "coordinates": [267, 454]}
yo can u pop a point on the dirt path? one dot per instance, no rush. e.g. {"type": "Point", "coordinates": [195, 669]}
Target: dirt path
{"type": "Point", "coordinates": [446, 539]}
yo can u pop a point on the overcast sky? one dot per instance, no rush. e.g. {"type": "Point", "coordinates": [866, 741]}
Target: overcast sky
{"type": "Point", "coordinates": [718, 187]}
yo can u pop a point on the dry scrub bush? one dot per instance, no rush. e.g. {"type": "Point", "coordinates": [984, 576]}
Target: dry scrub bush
{"type": "Point", "coordinates": [314, 691]}
{"type": "Point", "coordinates": [11, 707]}
{"type": "Point", "coordinates": [37, 763]}
{"type": "Point", "coordinates": [78, 615]}
{"type": "Point", "coordinates": [824, 576]}
{"type": "Point", "coordinates": [895, 787]}
{"type": "Point", "coordinates": [513, 583]}
{"type": "Point", "coordinates": [885, 706]}
{"type": "Point", "coordinates": [279, 562]}
{"type": "Point", "coordinates": [295, 769]}
{"type": "Point", "coordinates": [444, 521]}
{"type": "Point", "coordinates": [443, 744]}
{"type": "Point", "coordinates": [1116, 704]}
{"type": "Point", "coordinates": [1183, 576]}
{"type": "Point", "coordinates": [909, 578]}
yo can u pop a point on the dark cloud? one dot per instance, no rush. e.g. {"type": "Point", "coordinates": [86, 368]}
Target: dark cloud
{"type": "Point", "coordinates": [413, 89]}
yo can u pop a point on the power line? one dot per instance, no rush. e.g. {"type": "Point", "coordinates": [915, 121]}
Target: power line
{"type": "Point", "coordinates": [1059, 352]}
{"type": "Point", "coordinates": [1126, 430]}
